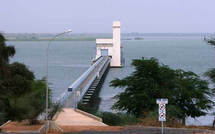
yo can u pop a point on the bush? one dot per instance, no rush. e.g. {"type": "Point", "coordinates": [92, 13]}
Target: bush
{"type": "Point", "coordinates": [127, 119]}
{"type": "Point", "coordinates": [117, 119]}
{"type": "Point", "coordinates": [171, 121]}
{"type": "Point", "coordinates": [31, 105]}
{"type": "Point", "coordinates": [110, 118]}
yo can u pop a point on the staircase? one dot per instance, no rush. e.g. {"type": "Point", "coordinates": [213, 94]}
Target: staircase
{"type": "Point", "coordinates": [91, 91]}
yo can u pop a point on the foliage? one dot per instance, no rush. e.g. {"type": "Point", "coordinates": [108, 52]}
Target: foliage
{"type": "Point", "coordinates": [152, 119]}
{"type": "Point", "coordinates": [33, 103]}
{"type": "Point", "coordinates": [212, 41]}
{"type": "Point", "coordinates": [2, 118]}
{"type": "Point", "coordinates": [21, 96]}
{"type": "Point", "coordinates": [186, 92]}
{"type": "Point", "coordinates": [115, 119]}
{"type": "Point", "coordinates": [127, 119]}
{"type": "Point", "coordinates": [5, 51]}
{"type": "Point", "coordinates": [110, 118]}
{"type": "Point", "coordinates": [211, 74]}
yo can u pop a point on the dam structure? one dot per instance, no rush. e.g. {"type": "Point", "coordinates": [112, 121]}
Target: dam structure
{"type": "Point", "coordinates": [111, 47]}
{"type": "Point", "coordinates": [83, 90]}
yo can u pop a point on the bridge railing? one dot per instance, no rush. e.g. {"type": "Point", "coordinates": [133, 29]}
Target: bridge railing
{"type": "Point", "coordinates": [100, 71]}
{"type": "Point", "coordinates": [83, 77]}
{"type": "Point", "coordinates": [65, 95]}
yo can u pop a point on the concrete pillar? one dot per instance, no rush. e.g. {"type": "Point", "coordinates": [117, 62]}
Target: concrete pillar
{"type": "Point", "coordinates": [116, 57]}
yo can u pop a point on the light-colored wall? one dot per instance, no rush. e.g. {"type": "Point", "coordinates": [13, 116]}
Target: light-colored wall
{"type": "Point", "coordinates": [116, 58]}
{"type": "Point", "coordinates": [113, 46]}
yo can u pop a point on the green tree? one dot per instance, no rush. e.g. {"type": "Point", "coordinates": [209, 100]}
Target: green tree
{"type": "Point", "coordinates": [211, 73]}
{"type": "Point", "coordinates": [21, 96]}
{"type": "Point", "coordinates": [188, 95]}
{"type": "Point", "coordinates": [32, 104]}
{"type": "Point", "coordinates": [212, 41]}
{"type": "Point", "coordinates": [5, 51]}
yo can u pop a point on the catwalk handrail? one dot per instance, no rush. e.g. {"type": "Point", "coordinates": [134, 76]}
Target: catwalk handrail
{"type": "Point", "coordinates": [97, 74]}
{"type": "Point", "coordinates": [78, 82]}
{"type": "Point", "coordinates": [83, 77]}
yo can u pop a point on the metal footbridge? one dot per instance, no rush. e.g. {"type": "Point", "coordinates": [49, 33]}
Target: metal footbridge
{"type": "Point", "coordinates": [85, 86]}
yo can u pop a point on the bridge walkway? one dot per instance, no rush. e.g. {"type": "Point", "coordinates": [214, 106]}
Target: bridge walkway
{"type": "Point", "coordinates": [78, 93]}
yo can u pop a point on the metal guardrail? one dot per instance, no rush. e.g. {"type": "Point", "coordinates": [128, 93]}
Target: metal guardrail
{"type": "Point", "coordinates": [97, 74]}
{"type": "Point", "coordinates": [65, 95]}
{"type": "Point", "coordinates": [83, 77]}
{"type": "Point", "coordinates": [103, 67]}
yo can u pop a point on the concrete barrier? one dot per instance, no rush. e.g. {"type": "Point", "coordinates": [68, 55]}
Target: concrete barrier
{"type": "Point", "coordinates": [5, 123]}
{"type": "Point", "coordinates": [89, 115]}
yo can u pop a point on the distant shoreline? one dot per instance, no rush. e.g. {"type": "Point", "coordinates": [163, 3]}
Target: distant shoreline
{"type": "Point", "coordinates": [93, 37]}
{"type": "Point", "coordinates": [77, 39]}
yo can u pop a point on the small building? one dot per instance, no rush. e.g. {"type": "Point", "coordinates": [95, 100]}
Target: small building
{"type": "Point", "coordinates": [111, 47]}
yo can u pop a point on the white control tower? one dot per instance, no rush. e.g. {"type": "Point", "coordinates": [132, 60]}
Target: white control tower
{"type": "Point", "coordinates": [111, 47]}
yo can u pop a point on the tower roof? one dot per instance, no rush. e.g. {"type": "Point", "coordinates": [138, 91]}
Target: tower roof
{"type": "Point", "coordinates": [104, 41]}
{"type": "Point", "coordinates": [116, 24]}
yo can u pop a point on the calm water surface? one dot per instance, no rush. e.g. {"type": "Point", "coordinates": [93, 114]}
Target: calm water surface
{"type": "Point", "coordinates": [69, 59]}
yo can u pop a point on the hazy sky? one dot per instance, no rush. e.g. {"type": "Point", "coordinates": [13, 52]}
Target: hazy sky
{"type": "Point", "coordinates": [96, 16]}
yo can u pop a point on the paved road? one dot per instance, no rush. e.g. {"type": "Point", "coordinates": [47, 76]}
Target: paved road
{"type": "Point", "coordinates": [150, 130]}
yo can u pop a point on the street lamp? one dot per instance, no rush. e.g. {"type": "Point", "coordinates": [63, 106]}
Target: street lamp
{"type": "Point", "coordinates": [47, 59]}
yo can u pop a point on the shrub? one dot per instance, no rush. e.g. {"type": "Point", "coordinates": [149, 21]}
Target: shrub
{"type": "Point", "coordinates": [111, 118]}
{"type": "Point", "coordinates": [171, 121]}
{"type": "Point", "coordinates": [127, 119]}
{"type": "Point", "coordinates": [117, 119]}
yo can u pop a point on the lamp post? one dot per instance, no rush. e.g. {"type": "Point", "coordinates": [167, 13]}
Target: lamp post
{"type": "Point", "coordinates": [47, 59]}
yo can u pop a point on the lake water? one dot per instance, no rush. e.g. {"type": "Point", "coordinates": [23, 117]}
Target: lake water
{"type": "Point", "coordinates": [69, 59]}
